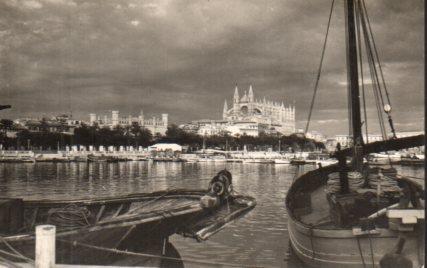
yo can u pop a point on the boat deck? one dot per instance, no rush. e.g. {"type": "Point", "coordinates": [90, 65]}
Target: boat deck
{"type": "Point", "coordinates": [320, 214]}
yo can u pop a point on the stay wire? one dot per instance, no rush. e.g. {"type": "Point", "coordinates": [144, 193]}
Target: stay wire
{"type": "Point", "coordinates": [374, 78]}
{"type": "Point", "coordinates": [358, 11]}
{"type": "Point", "coordinates": [390, 120]}
{"type": "Point", "coordinates": [316, 85]}
{"type": "Point", "coordinates": [376, 51]}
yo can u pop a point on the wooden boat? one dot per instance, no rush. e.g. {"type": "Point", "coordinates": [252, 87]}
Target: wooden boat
{"type": "Point", "coordinates": [357, 215]}
{"type": "Point", "coordinates": [97, 158]}
{"type": "Point", "coordinates": [137, 222]}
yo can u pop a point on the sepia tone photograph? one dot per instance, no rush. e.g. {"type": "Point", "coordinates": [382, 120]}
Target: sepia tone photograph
{"type": "Point", "coordinates": [212, 133]}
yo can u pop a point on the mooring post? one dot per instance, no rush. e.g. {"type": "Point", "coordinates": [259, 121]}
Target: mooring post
{"type": "Point", "coordinates": [45, 246]}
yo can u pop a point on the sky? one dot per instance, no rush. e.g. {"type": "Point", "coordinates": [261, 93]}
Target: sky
{"type": "Point", "coordinates": [184, 58]}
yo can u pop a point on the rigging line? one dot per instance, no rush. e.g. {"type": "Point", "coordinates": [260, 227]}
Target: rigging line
{"type": "Point", "coordinates": [316, 85]}
{"type": "Point", "coordinates": [361, 71]}
{"type": "Point", "coordinates": [371, 57]}
{"type": "Point", "coordinates": [374, 80]}
{"type": "Point", "coordinates": [371, 54]}
{"type": "Point", "coordinates": [361, 252]}
{"type": "Point", "coordinates": [376, 51]}
{"type": "Point", "coordinates": [379, 112]}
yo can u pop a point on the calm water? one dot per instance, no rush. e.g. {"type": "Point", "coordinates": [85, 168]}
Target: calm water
{"type": "Point", "coordinates": [260, 238]}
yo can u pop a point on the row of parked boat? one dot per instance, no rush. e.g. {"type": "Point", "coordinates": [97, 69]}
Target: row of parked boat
{"type": "Point", "coordinates": [304, 158]}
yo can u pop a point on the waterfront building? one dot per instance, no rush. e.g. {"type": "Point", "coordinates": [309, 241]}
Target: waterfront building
{"type": "Point", "coordinates": [247, 116]}
{"type": "Point", "coordinates": [64, 124]}
{"type": "Point", "coordinates": [154, 124]}
{"type": "Point", "coordinates": [315, 135]}
{"type": "Point", "coordinates": [221, 127]}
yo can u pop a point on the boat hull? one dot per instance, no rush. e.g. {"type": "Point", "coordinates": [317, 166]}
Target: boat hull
{"type": "Point", "coordinates": [340, 248]}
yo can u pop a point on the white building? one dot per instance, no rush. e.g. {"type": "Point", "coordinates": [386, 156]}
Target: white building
{"type": "Point", "coordinates": [165, 147]}
{"type": "Point", "coordinates": [154, 124]}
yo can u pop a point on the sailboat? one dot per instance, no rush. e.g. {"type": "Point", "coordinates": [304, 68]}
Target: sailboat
{"type": "Point", "coordinates": [356, 215]}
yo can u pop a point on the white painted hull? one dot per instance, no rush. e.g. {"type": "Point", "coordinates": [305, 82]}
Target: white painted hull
{"type": "Point", "coordinates": [339, 248]}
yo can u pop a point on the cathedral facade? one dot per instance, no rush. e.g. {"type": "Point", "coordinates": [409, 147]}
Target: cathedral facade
{"type": "Point", "coordinates": [272, 115]}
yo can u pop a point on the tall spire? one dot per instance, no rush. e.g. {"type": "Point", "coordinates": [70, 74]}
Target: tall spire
{"type": "Point", "coordinates": [236, 94]}
{"type": "Point", "coordinates": [251, 94]}
{"type": "Point", "coordinates": [224, 112]}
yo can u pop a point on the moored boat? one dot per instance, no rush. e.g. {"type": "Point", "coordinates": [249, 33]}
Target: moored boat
{"type": "Point", "coordinates": [97, 158]}
{"type": "Point", "coordinates": [357, 214]}
{"type": "Point", "coordinates": [17, 156]}
{"type": "Point", "coordinates": [87, 229]}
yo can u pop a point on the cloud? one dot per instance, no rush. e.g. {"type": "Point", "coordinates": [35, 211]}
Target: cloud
{"type": "Point", "coordinates": [185, 57]}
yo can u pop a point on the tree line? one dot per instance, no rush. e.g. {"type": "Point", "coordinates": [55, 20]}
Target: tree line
{"type": "Point", "coordinates": [135, 135]}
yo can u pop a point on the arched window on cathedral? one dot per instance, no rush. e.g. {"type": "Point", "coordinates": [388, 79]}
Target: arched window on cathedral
{"type": "Point", "coordinates": [244, 109]}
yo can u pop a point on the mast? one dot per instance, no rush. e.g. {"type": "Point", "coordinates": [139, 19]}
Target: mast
{"type": "Point", "coordinates": [352, 73]}
{"type": "Point", "coordinates": [353, 83]}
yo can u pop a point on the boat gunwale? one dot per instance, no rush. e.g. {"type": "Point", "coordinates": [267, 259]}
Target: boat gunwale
{"type": "Point", "coordinates": [116, 199]}
{"type": "Point", "coordinates": [128, 221]}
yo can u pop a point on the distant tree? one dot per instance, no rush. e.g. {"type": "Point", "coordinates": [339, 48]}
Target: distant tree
{"type": "Point", "coordinates": [144, 137]}
{"type": "Point", "coordinates": [44, 125]}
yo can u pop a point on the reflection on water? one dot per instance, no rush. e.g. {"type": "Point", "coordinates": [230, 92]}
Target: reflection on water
{"type": "Point", "coordinates": [260, 238]}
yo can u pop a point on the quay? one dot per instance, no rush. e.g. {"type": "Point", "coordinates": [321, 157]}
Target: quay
{"type": "Point", "coordinates": [165, 152]}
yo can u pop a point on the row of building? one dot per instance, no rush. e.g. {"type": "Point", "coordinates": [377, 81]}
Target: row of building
{"type": "Point", "coordinates": [66, 124]}
{"type": "Point", "coordinates": [154, 124]}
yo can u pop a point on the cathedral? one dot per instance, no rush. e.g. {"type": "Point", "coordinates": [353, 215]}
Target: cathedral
{"type": "Point", "coordinates": [275, 116]}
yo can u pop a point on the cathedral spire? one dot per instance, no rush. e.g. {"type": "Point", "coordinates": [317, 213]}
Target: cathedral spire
{"type": "Point", "coordinates": [251, 94]}
{"type": "Point", "coordinates": [236, 94]}
{"type": "Point", "coordinates": [224, 112]}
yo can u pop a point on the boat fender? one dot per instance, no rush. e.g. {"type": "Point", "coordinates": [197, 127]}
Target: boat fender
{"type": "Point", "coordinates": [221, 184]}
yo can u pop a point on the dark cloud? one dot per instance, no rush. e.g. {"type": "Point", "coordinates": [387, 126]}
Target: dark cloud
{"type": "Point", "coordinates": [184, 58]}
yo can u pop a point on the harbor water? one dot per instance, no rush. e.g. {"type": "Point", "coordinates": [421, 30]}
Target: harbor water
{"type": "Point", "coordinates": [258, 239]}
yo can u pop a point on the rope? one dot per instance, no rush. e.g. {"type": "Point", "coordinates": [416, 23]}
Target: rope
{"type": "Point", "coordinates": [146, 255]}
{"type": "Point", "coordinates": [18, 254]}
{"type": "Point", "coordinates": [372, 250]}
{"type": "Point", "coordinates": [69, 216]}
{"type": "Point", "coordinates": [360, 251]}
{"type": "Point", "coordinates": [13, 255]}
{"type": "Point", "coordinates": [374, 78]}
{"type": "Point", "coordinates": [316, 85]}
{"type": "Point", "coordinates": [374, 58]}
{"type": "Point", "coordinates": [361, 73]}
{"type": "Point", "coordinates": [8, 263]}
{"type": "Point", "coordinates": [390, 120]}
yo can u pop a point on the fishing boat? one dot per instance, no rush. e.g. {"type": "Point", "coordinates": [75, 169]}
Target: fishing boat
{"type": "Point", "coordinates": [357, 215]}
{"type": "Point", "coordinates": [91, 231]}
